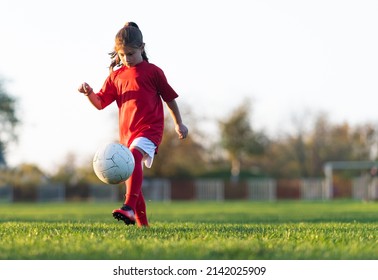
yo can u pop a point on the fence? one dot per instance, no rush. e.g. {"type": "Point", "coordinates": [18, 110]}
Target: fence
{"type": "Point", "coordinates": [51, 193]}
{"type": "Point", "coordinates": [160, 189]}
{"type": "Point", "coordinates": [6, 193]}
{"type": "Point", "coordinates": [262, 189]}
{"type": "Point", "coordinates": [365, 188]}
{"type": "Point", "coordinates": [103, 192]}
{"type": "Point", "coordinates": [210, 189]}
{"type": "Point", "coordinates": [157, 189]}
{"type": "Point", "coordinates": [313, 189]}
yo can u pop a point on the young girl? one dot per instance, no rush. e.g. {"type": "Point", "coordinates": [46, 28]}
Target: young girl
{"type": "Point", "coordinates": [138, 87]}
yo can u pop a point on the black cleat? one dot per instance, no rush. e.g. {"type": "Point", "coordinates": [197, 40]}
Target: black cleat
{"type": "Point", "coordinates": [126, 214]}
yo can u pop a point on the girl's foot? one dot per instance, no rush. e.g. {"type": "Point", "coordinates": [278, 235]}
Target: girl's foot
{"type": "Point", "coordinates": [126, 214]}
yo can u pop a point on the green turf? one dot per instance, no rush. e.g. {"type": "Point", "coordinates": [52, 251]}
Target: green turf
{"type": "Point", "coordinates": [291, 230]}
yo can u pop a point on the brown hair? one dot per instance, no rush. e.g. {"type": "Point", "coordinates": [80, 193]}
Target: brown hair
{"type": "Point", "coordinates": [130, 36]}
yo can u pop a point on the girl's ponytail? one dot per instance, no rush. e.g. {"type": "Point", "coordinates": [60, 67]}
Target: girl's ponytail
{"type": "Point", "coordinates": [133, 24]}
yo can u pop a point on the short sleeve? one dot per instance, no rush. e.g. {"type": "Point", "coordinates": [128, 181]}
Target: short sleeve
{"type": "Point", "coordinates": [108, 92]}
{"type": "Point", "coordinates": [166, 92]}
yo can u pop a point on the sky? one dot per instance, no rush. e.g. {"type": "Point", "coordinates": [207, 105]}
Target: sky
{"type": "Point", "coordinates": [290, 58]}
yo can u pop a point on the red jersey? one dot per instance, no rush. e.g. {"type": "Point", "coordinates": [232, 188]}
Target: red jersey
{"type": "Point", "coordinates": [138, 91]}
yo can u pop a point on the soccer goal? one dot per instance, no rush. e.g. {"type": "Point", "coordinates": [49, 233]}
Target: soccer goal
{"type": "Point", "coordinates": [363, 187]}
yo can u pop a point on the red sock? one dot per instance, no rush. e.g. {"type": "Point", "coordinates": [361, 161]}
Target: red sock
{"type": "Point", "coordinates": [134, 183]}
{"type": "Point", "coordinates": [141, 215]}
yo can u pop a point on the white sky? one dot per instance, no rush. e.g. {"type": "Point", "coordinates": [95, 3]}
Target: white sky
{"type": "Point", "coordinates": [289, 57]}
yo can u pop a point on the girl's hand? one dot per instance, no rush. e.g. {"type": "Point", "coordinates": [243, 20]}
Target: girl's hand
{"type": "Point", "coordinates": [85, 88]}
{"type": "Point", "coordinates": [181, 130]}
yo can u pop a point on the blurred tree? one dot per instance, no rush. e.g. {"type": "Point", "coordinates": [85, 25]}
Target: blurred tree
{"type": "Point", "coordinates": [239, 139]}
{"type": "Point", "coordinates": [67, 172]}
{"type": "Point", "coordinates": [26, 175]}
{"type": "Point", "coordinates": [71, 173]}
{"type": "Point", "coordinates": [76, 179]}
{"type": "Point", "coordinates": [8, 122]}
{"type": "Point", "coordinates": [340, 142]}
{"type": "Point", "coordinates": [25, 179]}
{"type": "Point", "coordinates": [179, 158]}
{"type": "Point", "coordinates": [304, 152]}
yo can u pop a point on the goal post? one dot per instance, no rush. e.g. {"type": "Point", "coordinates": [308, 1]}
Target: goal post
{"type": "Point", "coordinates": [330, 166]}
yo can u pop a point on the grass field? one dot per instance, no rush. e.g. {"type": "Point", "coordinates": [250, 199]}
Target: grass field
{"type": "Point", "coordinates": [291, 230]}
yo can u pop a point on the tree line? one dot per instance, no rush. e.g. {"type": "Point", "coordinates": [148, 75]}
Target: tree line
{"type": "Point", "coordinates": [239, 151]}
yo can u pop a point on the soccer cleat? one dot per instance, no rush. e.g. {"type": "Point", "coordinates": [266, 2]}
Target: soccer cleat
{"type": "Point", "coordinates": [126, 214]}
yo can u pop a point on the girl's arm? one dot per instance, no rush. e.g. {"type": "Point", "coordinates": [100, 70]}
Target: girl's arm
{"type": "Point", "coordinates": [180, 128]}
{"type": "Point", "coordinates": [93, 98]}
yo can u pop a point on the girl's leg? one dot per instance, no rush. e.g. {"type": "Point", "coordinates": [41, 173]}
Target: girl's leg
{"type": "Point", "coordinates": [141, 215]}
{"type": "Point", "coordinates": [133, 192]}
{"type": "Point", "coordinates": [134, 183]}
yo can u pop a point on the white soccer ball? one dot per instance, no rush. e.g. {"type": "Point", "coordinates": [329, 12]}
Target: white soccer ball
{"type": "Point", "coordinates": [113, 163]}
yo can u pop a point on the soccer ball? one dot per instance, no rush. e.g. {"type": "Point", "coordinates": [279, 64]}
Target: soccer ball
{"type": "Point", "coordinates": [113, 163]}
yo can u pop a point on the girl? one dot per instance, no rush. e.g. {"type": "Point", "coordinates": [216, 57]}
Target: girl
{"type": "Point", "coordinates": [138, 87]}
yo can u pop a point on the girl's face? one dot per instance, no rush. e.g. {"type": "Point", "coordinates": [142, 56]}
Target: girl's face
{"type": "Point", "coordinates": [130, 56]}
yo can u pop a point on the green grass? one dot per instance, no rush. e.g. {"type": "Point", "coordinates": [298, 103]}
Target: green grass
{"type": "Point", "coordinates": [291, 230]}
